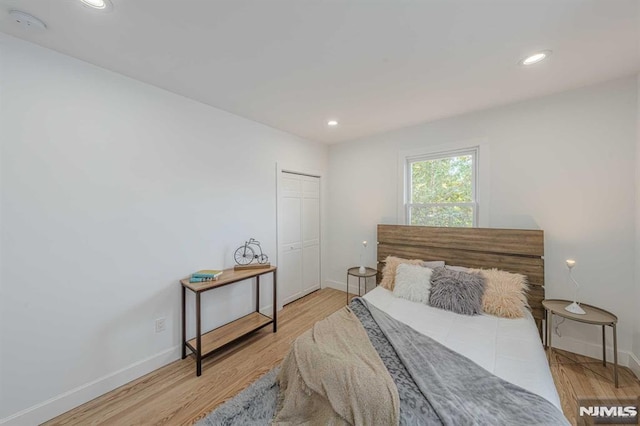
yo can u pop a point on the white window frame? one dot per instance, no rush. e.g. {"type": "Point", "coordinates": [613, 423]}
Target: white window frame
{"type": "Point", "coordinates": [480, 182]}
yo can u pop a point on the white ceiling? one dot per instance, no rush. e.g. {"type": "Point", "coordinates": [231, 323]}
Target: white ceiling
{"type": "Point", "coordinates": [374, 65]}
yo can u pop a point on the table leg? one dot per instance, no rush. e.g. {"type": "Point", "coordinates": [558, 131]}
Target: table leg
{"type": "Point", "coordinates": [615, 354]}
{"type": "Point", "coordinates": [359, 282]}
{"type": "Point", "coordinates": [604, 348]}
{"type": "Point", "coordinates": [347, 289]}
{"type": "Point", "coordinates": [184, 325]}
{"type": "Point", "coordinates": [545, 338]}
{"type": "Point", "coordinates": [258, 293]}
{"type": "Point", "coordinates": [198, 337]}
{"type": "Point", "coordinates": [275, 301]}
{"type": "Point", "coordinates": [550, 331]}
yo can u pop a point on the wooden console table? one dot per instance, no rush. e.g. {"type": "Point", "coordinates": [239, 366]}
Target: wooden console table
{"type": "Point", "coordinates": [204, 345]}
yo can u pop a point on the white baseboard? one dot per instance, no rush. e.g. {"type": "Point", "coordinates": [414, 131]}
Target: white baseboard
{"type": "Point", "coordinates": [353, 288]}
{"type": "Point", "coordinates": [335, 284]}
{"type": "Point", "coordinates": [64, 402]}
{"type": "Point", "coordinates": [267, 310]}
{"type": "Point", "coordinates": [593, 350]}
{"type": "Point", "coordinates": [634, 364]}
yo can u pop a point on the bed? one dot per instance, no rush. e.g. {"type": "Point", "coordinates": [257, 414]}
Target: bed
{"type": "Point", "coordinates": [502, 360]}
{"type": "Point", "coordinates": [508, 348]}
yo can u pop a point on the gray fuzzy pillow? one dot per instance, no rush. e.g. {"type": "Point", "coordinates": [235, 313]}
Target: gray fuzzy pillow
{"type": "Point", "coordinates": [456, 291]}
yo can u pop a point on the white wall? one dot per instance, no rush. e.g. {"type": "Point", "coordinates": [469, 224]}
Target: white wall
{"type": "Point", "coordinates": [563, 163]}
{"type": "Point", "coordinates": [112, 190]}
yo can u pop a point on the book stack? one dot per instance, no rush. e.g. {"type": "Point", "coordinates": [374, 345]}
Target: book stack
{"type": "Point", "coordinates": [205, 275]}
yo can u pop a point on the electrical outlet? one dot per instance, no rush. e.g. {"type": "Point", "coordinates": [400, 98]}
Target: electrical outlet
{"type": "Point", "coordinates": [161, 324]}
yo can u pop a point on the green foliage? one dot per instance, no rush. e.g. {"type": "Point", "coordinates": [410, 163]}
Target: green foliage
{"type": "Point", "coordinates": [455, 216]}
{"type": "Point", "coordinates": [442, 180]}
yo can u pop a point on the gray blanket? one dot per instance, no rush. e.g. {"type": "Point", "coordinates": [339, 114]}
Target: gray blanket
{"type": "Point", "coordinates": [436, 385]}
{"type": "Point", "coordinates": [451, 389]}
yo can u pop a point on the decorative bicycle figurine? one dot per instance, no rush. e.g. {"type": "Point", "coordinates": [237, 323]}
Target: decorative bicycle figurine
{"type": "Point", "coordinates": [245, 254]}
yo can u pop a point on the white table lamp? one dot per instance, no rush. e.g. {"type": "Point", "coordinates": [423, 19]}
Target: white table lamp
{"type": "Point", "coordinates": [574, 307]}
{"type": "Point", "coordinates": [362, 268]}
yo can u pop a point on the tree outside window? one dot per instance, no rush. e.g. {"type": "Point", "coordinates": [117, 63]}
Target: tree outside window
{"type": "Point", "coordinates": [441, 189]}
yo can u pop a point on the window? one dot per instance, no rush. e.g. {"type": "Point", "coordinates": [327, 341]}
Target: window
{"type": "Point", "coordinates": [440, 189]}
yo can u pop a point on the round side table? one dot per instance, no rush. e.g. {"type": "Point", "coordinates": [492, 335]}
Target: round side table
{"type": "Point", "coordinates": [355, 272]}
{"type": "Point", "coordinates": [593, 315]}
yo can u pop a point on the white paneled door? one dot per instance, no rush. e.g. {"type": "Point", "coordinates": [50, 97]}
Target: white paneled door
{"type": "Point", "coordinates": [299, 240]}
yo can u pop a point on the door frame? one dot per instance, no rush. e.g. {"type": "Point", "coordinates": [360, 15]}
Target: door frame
{"type": "Point", "coordinates": [286, 168]}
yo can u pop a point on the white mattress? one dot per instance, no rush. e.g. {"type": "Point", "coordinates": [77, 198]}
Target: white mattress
{"type": "Point", "coordinates": [509, 348]}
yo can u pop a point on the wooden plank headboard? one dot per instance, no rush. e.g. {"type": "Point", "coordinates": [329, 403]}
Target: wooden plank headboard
{"type": "Point", "coordinates": [514, 250]}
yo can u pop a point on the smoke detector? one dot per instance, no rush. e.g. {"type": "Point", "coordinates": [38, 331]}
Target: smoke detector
{"type": "Point", "coordinates": [27, 21]}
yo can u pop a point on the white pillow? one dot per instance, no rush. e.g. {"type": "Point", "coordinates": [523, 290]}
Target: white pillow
{"type": "Point", "coordinates": [413, 283]}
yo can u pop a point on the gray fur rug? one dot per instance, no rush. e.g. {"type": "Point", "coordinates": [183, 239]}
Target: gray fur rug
{"type": "Point", "coordinates": [253, 406]}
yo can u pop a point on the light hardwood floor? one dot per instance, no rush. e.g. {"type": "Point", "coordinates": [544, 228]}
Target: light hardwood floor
{"type": "Point", "coordinates": [578, 376]}
{"type": "Point", "coordinates": [173, 395]}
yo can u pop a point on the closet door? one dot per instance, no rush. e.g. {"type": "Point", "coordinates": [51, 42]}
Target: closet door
{"type": "Point", "coordinates": [310, 234]}
{"type": "Point", "coordinates": [299, 244]}
{"type": "Point", "coordinates": [290, 263]}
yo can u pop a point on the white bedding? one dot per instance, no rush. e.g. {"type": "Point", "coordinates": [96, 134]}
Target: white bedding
{"type": "Point", "coordinates": [509, 348]}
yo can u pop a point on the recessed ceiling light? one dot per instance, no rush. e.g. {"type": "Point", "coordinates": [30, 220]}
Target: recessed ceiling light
{"type": "Point", "coordinates": [97, 4]}
{"type": "Point", "coordinates": [332, 123]}
{"type": "Point", "coordinates": [536, 57]}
